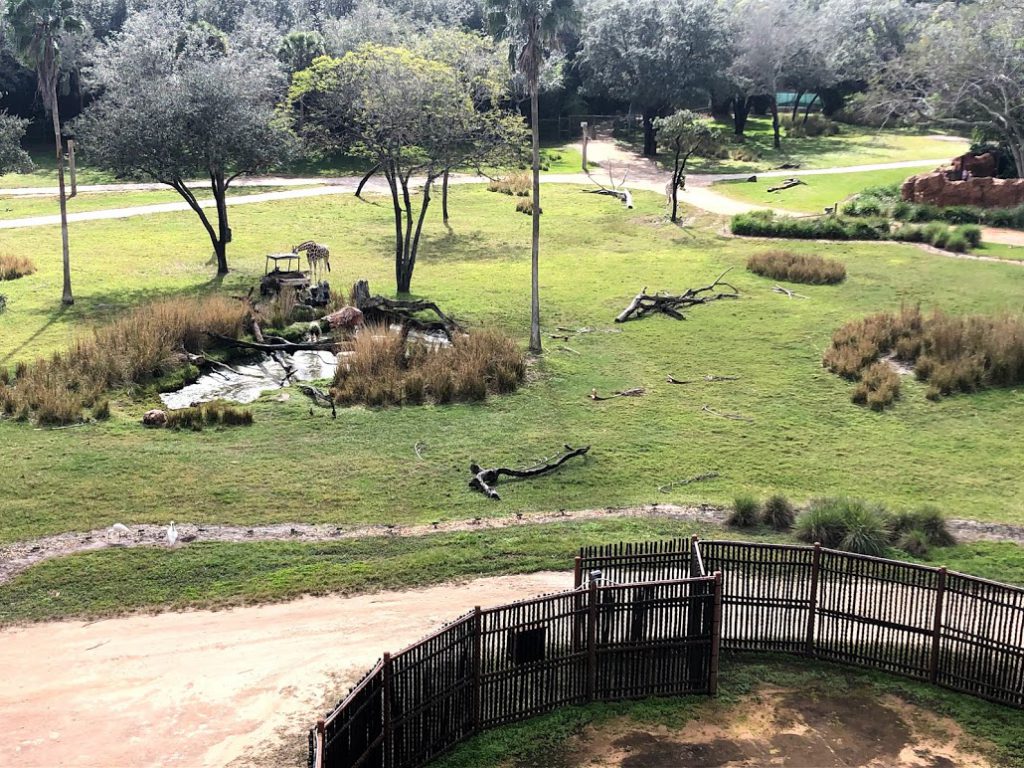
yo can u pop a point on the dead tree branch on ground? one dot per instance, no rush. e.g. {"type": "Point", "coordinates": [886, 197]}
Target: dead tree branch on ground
{"type": "Point", "coordinates": [402, 311]}
{"type": "Point", "coordinates": [733, 416]}
{"type": "Point", "coordinates": [484, 480]}
{"type": "Point", "coordinates": [791, 294]}
{"type": "Point", "coordinates": [644, 304]}
{"type": "Point", "coordinates": [709, 377]}
{"type": "Point", "coordinates": [635, 392]}
{"type": "Point", "coordinates": [320, 398]}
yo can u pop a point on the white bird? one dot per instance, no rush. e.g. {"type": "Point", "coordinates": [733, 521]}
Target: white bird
{"type": "Point", "coordinates": [172, 534]}
{"type": "Point", "coordinates": [117, 531]}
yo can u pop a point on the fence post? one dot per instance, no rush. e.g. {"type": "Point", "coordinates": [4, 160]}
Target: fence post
{"type": "Point", "coordinates": [693, 560]}
{"type": "Point", "coordinates": [813, 607]}
{"type": "Point", "coordinates": [940, 593]}
{"type": "Point", "coordinates": [592, 642]}
{"type": "Point", "coordinates": [320, 730]}
{"type": "Point", "coordinates": [716, 634]}
{"type": "Point", "coordinates": [577, 571]}
{"type": "Point", "coordinates": [477, 667]}
{"type": "Point", "coordinates": [388, 735]}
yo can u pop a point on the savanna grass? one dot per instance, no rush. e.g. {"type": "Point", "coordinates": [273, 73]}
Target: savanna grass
{"type": "Point", "coordinates": [13, 267]}
{"type": "Point", "coordinates": [797, 268]}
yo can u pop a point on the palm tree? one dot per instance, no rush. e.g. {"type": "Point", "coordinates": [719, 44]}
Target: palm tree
{"type": "Point", "coordinates": [530, 27]}
{"type": "Point", "coordinates": [36, 27]}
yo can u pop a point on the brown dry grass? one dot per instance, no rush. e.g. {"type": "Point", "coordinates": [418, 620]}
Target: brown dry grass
{"type": "Point", "coordinates": [952, 353]}
{"type": "Point", "coordinates": [13, 267]}
{"type": "Point", "coordinates": [797, 268]}
{"type": "Point", "coordinates": [139, 347]}
{"type": "Point", "coordinates": [384, 369]}
{"type": "Point", "coordinates": [515, 184]}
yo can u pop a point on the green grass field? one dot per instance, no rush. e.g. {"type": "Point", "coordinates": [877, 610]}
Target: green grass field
{"type": "Point", "coordinates": [816, 193]}
{"type": "Point", "coordinates": [805, 438]}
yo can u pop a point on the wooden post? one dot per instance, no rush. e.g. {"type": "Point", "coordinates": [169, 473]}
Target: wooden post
{"type": "Point", "coordinates": [71, 163]}
{"type": "Point", "coordinates": [319, 758]}
{"type": "Point", "coordinates": [586, 139]}
{"type": "Point", "coordinates": [940, 594]}
{"type": "Point", "coordinates": [592, 642]}
{"type": "Point", "coordinates": [812, 609]}
{"type": "Point", "coordinates": [477, 667]}
{"type": "Point", "coordinates": [693, 560]}
{"type": "Point", "coordinates": [388, 735]}
{"type": "Point", "coordinates": [716, 634]}
{"type": "Point", "coordinates": [577, 572]}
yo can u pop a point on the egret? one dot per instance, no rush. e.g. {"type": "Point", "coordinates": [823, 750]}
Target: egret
{"type": "Point", "coordinates": [117, 532]}
{"type": "Point", "coordinates": [172, 534]}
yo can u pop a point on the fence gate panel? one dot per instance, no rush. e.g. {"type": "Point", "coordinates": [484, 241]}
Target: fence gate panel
{"type": "Point", "coordinates": [876, 613]}
{"type": "Point", "coordinates": [982, 639]}
{"type": "Point", "coordinates": [354, 733]}
{"type": "Point", "coordinates": [766, 594]}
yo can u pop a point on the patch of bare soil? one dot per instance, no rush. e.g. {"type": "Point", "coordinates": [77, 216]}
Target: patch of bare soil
{"type": "Point", "coordinates": [783, 727]}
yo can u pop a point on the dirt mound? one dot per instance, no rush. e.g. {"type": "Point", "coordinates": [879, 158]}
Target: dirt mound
{"type": "Point", "coordinates": [781, 727]}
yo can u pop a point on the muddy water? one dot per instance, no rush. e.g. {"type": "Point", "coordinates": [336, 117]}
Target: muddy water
{"type": "Point", "coordinates": [245, 383]}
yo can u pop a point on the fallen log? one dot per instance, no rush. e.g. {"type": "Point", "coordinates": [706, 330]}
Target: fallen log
{"type": "Point", "coordinates": [402, 311]}
{"type": "Point", "coordinates": [733, 416]}
{"type": "Point", "coordinates": [787, 184]}
{"type": "Point", "coordinates": [644, 304]}
{"type": "Point", "coordinates": [695, 479]}
{"type": "Point", "coordinates": [709, 377]}
{"type": "Point", "coordinates": [635, 392]}
{"type": "Point", "coordinates": [320, 398]}
{"type": "Point", "coordinates": [280, 346]}
{"type": "Point", "coordinates": [484, 480]}
{"type": "Point", "coordinates": [787, 292]}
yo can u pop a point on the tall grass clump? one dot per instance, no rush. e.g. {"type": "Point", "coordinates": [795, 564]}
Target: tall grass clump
{"type": "Point", "coordinates": [746, 513]}
{"type": "Point", "coordinates": [216, 413]}
{"type": "Point", "coordinates": [918, 531]}
{"type": "Point", "coordinates": [797, 268]}
{"type": "Point", "coordinates": [778, 513]}
{"type": "Point", "coordinates": [850, 525]}
{"type": "Point", "coordinates": [140, 346]}
{"type": "Point", "coordinates": [12, 267]}
{"type": "Point", "coordinates": [385, 369]}
{"type": "Point", "coordinates": [767, 224]}
{"type": "Point", "coordinates": [515, 184]}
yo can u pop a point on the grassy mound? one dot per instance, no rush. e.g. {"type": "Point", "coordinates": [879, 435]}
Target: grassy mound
{"type": "Point", "coordinates": [797, 268]}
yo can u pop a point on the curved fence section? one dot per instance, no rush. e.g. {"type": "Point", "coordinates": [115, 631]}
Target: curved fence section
{"type": "Point", "coordinates": [500, 665]}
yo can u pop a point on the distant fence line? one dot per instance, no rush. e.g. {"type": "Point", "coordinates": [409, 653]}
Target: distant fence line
{"type": "Point", "coordinates": [653, 624]}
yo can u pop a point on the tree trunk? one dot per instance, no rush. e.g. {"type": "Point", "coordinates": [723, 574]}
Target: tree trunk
{"type": "Point", "coordinates": [807, 112]}
{"type": "Point", "coordinates": [740, 113]}
{"type": "Point", "coordinates": [650, 140]}
{"type": "Point", "coordinates": [796, 107]}
{"type": "Point", "coordinates": [444, 197]}
{"type": "Point", "coordinates": [389, 174]}
{"type": "Point", "coordinates": [776, 138]}
{"type": "Point", "coordinates": [721, 109]}
{"type": "Point", "coordinates": [675, 187]}
{"type": "Point", "coordinates": [535, 345]}
{"type": "Point", "coordinates": [366, 178]}
{"type": "Point", "coordinates": [67, 298]}
{"type": "Point", "coordinates": [414, 243]}
{"type": "Point", "coordinates": [220, 245]}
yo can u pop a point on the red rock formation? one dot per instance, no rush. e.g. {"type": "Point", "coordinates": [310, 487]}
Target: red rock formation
{"type": "Point", "coordinates": [984, 192]}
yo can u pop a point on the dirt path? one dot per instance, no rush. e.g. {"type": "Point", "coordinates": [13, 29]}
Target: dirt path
{"type": "Point", "coordinates": [19, 556]}
{"type": "Point", "coordinates": [210, 688]}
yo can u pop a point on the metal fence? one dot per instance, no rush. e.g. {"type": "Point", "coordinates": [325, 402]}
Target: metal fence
{"type": "Point", "coordinates": [652, 622]}
{"type": "Point", "coordinates": [500, 665]}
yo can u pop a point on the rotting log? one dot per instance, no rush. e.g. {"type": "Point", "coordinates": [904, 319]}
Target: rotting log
{"type": "Point", "coordinates": [484, 480]}
{"type": "Point", "coordinates": [402, 311]}
{"type": "Point", "coordinates": [644, 304]}
{"type": "Point", "coordinates": [279, 346]}
{"type": "Point", "coordinates": [634, 392]}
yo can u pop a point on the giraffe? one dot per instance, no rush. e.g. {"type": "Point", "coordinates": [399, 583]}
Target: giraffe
{"type": "Point", "coordinates": [316, 255]}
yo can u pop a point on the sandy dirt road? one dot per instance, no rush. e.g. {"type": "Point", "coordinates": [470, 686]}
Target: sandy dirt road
{"type": "Point", "coordinates": [237, 687]}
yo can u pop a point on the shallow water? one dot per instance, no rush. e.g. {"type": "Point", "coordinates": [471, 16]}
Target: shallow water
{"type": "Point", "coordinates": [245, 383]}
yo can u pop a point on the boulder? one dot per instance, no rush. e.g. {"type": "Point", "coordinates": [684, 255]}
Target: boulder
{"type": "Point", "coordinates": [346, 317]}
{"type": "Point", "coordinates": [984, 191]}
{"type": "Point", "coordinates": [154, 418]}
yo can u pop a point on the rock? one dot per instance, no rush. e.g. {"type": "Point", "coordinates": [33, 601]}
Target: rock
{"type": "Point", "coordinates": [752, 179]}
{"type": "Point", "coordinates": [987, 192]}
{"type": "Point", "coordinates": [154, 418]}
{"type": "Point", "coordinates": [977, 165]}
{"type": "Point", "coordinates": [346, 317]}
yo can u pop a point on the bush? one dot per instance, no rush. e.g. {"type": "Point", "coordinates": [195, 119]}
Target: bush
{"type": "Point", "coordinates": [971, 233]}
{"type": "Point", "coordinates": [515, 184]}
{"type": "Point", "coordinates": [138, 348]}
{"type": "Point", "coordinates": [385, 369]}
{"type": "Point", "coordinates": [879, 387]}
{"type": "Point", "coordinates": [846, 524]}
{"type": "Point", "coordinates": [767, 224]}
{"type": "Point", "coordinates": [101, 410]}
{"type": "Point", "coordinates": [13, 267]}
{"type": "Point", "coordinates": [216, 413]}
{"type": "Point", "coordinates": [525, 206]}
{"type": "Point", "coordinates": [813, 126]}
{"type": "Point", "coordinates": [778, 513]}
{"type": "Point", "coordinates": [957, 243]}
{"type": "Point", "coordinates": [962, 214]}
{"type": "Point", "coordinates": [745, 513]}
{"type": "Point", "coordinates": [928, 522]}
{"type": "Point", "coordinates": [797, 268]}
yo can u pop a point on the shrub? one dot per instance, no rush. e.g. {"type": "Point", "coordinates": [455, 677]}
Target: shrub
{"type": "Point", "coordinates": [878, 388]}
{"type": "Point", "coordinates": [745, 512]}
{"type": "Point", "coordinates": [957, 243]}
{"type": "Point", "coordinates": [869, 206]}
{"type": "Point", "coordinates": [216, 413]}
{"type": "Point", "coordinates": [138, 348]}
{"type": "Point", "coordinates": [913, 543]}
{"type": "Point", "coordinates": [515, 184]}
{"type": "Point", "coordinates": [101, 410]}
{"type": "Point", "coordinates": [962, 214]}
{"type": "Point", "coordinates": [971, 233]}
{"type": "Point", "coordinates": [846, 524]}
{"type": "Point", "coordinates": [766, 224]}
{"type": "Point", "coordinates": [13, 267]}
{"type": "Point", "coordinates": [385, 369]}
{"type": "Point", "coordinates": [778, 513]}
{"type": "Point", "coordinates": [810, 127]}
{"type": "Point", "coordinates": [928, 521]}
{"type": "Point", "coordinates": [797, 268]}
{"type": "Point", "coordinates": [525, 206]}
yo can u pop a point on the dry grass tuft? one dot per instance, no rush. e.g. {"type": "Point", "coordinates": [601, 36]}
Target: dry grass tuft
{"type": "Point", "coordinates": [137, 348]}
{"type": "Point", "coordinates": [13, 267]}
{"type": "Point", "coordinates": [951, 353]}
{"type": "Point", "coordinates": [515, 184]}
{"type": "Point", "coordinates": [797, 268]}
{"type": "Point", "coordinates": [385, 369]}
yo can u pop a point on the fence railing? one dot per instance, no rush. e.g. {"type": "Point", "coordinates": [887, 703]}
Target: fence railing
{"type": "Point", "coordinates": [499, 665]}
{"type": "Point", "coordinates": [653, 624]}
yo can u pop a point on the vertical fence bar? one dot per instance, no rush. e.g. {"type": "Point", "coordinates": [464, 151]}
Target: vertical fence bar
{"type": "Point", "coordinates": [318, 760]}
{"type": "Point", "coordinates": [388, 734]}
{"type": "Point", "coordinates": [592, 642]}
{"type": "Point", "coordinates": [478, 660]}
{"type": "Point", "coordinates": [577, 572]}
{"type": "Point", "coordinates": [812, 609]}
{"type": "Point", "coordinates": [940, 593]}
{"type": "Point", "coordinates": [716, 634]}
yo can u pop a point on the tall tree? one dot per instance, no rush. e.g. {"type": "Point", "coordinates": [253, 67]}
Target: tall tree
{"type": "Point", "coordinates": [531, 28]}
{"type": "Point", "coordinates": [411, 116]}
{"type": "Point", "coordinates": [206, 110]}
{"type": "Point", "coordinates": [653, 53]}
{"type": "Point", "coordinates": [36, 27]}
